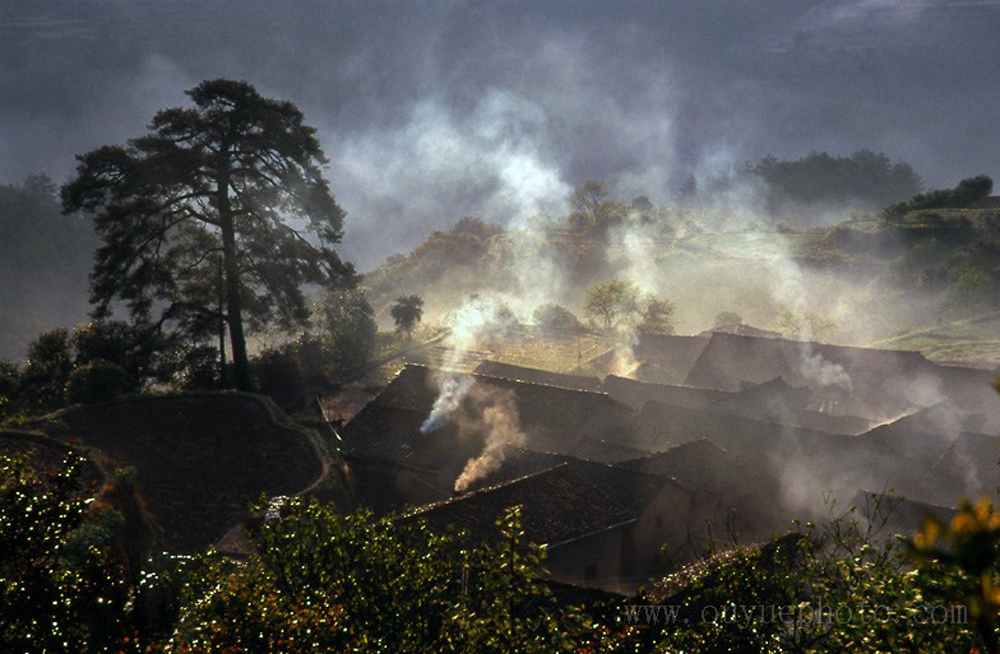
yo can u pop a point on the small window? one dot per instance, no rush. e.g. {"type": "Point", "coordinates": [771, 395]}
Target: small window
{"type": "Point", "coordinates": [590, 572]}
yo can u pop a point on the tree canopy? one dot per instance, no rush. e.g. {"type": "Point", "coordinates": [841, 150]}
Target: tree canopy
{"type": "Point", "coordinates": [220, 212]}
{"type": "Point", "coordinates": [407, 312]}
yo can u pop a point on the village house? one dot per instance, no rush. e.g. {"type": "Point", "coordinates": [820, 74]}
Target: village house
{"type": "Point", "coordinates": [393, 464]}
{"type": "Point", "coordinates": [875, 384]}
{"type": "Point", "coordinates": [600, 525]}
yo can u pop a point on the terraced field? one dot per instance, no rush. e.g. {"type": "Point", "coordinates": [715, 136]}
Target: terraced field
{"type": "Point", "coordinates": [975, 340]}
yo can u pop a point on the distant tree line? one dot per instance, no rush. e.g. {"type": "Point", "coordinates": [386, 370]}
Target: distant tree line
{"type": "Point", "coordinates": [964, 195]}
{"type": "Point", "coordinates": [865, 179]}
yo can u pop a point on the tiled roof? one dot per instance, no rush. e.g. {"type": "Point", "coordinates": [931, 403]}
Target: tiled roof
{"type": "Point", "coordinates": [636, 393]}
{"type": "Point", "coordinates": [604, 451]}
{"type": "Point", "coordinates": [879, 378]}
{"type": "Point", "coordinates": [560, 414]}
{"type": "Point", "coordinates": [897, 514]}
{"type": "Point", "coordinates": [740, 330]}
{"type": "Point", "coordinates": [566, 502]}
{"type": "Point", "coordinates": [669, 356]}
{"type": "Point", "coordinates": [970, 465]}
{"type": "Point", "coordinates": [535, 376]}
{"type": "Point", "coordinates": [519, 462]}
{"type": "Point", "coordinates": [825, 461]}
{"type": "Point", "coordinates": [699, 465]}
{"type": "Point", "coordinates": [392, 434]}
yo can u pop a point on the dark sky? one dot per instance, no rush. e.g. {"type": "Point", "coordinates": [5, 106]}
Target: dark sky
{"type": "Point", "coordinates": [430, 111]}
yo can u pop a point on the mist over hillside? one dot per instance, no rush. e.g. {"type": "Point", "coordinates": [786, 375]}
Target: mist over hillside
{"type": "Point", "coordinates": [434, 111]}
{"type": "Point", "coordinates": [863, 280]}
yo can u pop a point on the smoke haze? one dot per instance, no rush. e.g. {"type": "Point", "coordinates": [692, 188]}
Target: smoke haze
{"type": "Point", "coordinates": [437, 110]}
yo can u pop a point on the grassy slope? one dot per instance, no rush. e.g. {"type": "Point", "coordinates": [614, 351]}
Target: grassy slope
{"type": "Point", "coordinates": [972, 339]}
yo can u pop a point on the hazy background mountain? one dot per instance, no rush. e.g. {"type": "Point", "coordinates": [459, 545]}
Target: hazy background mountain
{"type": "Point", "coordinates": [431, 111]}
{"type": "Point", "coordinates": [437, 110]}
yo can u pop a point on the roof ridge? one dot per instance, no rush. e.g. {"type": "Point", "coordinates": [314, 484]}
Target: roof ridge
{"type": "Point", "coordinates": [914, 353]}
{"type": "Point", "coordinates": [479, 491]}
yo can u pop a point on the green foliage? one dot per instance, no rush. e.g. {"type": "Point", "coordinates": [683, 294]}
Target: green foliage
{"type": "Point", "coordinates": [349, 323]}
{"type": "Point", "coordinates": [450, 263]}
{"type": "Point", "coordinates": [60, 588]}
{"type": "Point", "coordinates": [97, 361]}
{"type": "Point", "coordinates": [407, 312]}
{"type": "Point", "coordinates": [960, 561]}
{"type": "Point", "coordinates": [143, 353]}
{"type": "Point", "coordinates": [96, 381]}
{"type": "Point", "coordinates": [278, 372]}
{"type": "Point", "coordinates": [969, 289]}
{"type": "Point", "coordinates": [727, 318]}
{"type": "Point", "coordinates": [50, 362]}
{"type": "Point", "coordinates": [618, 307]}
{"type": "Point", "coordinates": [868, 179]}
{"type": "Point", "coordinates": [195, 214]}
{"type": "Point", "coordinates": [319, 581]}
{"type": "Point", "coordinates": [799, 324]}
{"type": "Point", "coordinates": [657, 316]}
{"type": "Point", "coordinates": [593, 211]}
{"type": "Point", "coordinates": [965, 194]}
{"type": "Point", "coordinates": [832, 589]}
{"type": "Point", "coordinates": [611, 304]}
{"type": "Point", "coordinates": [556, 317]}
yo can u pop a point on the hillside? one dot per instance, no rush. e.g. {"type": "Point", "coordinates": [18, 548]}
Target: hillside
{"type": "Point", "coordinates": [871, 278]}
{"type": "Point", "coordinates": [973, 340]}
{"type": "Point", "coordinates": [200, 458]}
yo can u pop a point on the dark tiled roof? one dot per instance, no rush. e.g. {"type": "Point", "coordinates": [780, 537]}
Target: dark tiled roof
{"type": "Point", "coordinates": [774, 401]}
{"type": "Point", "coordinates": [603, 451]}
{"type": "Point", "coordinates": [879, 378]}
{"type": "Point", "coordinates": [392, 434]}
{"type": "Point", "coordinates": [925, 434]}
{"type": "Point", "coordinates": [969, 466]}
{"type": "Point", "coordinates": [569, 501]}
{"type": "Point", "coordinates": [560, 414]}
{"type": "Point", "coordinates": [669, 356]}
{"type": "Point", "coordinates": [520, 462]}
{"type": "Point", "coordinates": [699, 465]}
{"type": "Point", "coordinates": [825, 461]}
{"type": "Point", "coordinates": [896, 514]}
{"type": "Point", "coordinates": [636, 393]}
{"type": "Point", "coordinates": [534, 376]}
{"type": "Point", "coordinates": [740, 330]}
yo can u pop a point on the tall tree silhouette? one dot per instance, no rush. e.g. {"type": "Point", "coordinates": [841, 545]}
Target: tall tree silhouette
{"type": "Point", "coordinates": [407, 311]}
{"type": "Point", "coordinates": [236, 176]}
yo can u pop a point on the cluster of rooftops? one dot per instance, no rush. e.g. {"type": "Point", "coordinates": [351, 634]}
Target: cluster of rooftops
{"type": "Point", "coordinates": [623, 479]}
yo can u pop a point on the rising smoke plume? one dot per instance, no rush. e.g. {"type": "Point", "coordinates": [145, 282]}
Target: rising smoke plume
{"type": "Point", "coordinates": [454, 389]}
{"type": "Point", "coordinates": [502, 424]}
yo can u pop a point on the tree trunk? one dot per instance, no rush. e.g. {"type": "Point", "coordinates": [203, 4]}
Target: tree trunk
{"type": "Point", "coordinates": [223, 368]}
{"type": "Point", "coordinates": [234, 303]}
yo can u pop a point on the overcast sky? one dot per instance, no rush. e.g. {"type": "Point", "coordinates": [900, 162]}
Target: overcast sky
{"type": "Point", "coordinates": [430, 111]}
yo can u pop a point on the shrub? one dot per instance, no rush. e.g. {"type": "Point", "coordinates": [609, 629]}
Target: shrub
{"type": "Point", "coordinates": [278, 372]}
{"type": "Point", "coordinates": [96, 381]}
{"type": "Point", "coordinates": [556, 316]}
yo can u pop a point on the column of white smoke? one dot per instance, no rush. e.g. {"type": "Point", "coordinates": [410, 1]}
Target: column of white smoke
{"type": "Point", "coordinates": [469, 324]}
{"type": "Point", "coordinates": [454, 388]}
{"type": "Point", "coordinates": [503, 428]}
